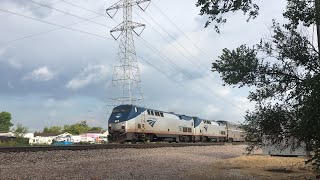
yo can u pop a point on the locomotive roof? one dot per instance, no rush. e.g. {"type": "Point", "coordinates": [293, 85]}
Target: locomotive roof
{"type": "Point", "coordinates": [227, 122]}
{"type": "Point", "coordinates": [182, 116]}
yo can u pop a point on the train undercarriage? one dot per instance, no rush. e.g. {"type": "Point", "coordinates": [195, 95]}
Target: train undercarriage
{"type": "Point", "coordinates": [118, 137]}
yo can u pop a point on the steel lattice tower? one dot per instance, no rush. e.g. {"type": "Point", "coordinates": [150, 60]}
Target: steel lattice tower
{"type": "Point", "coordinates": [126, 74]}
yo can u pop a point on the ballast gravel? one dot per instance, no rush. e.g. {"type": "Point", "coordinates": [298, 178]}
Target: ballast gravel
{"type": "Point", "coordinates": [157, 163]}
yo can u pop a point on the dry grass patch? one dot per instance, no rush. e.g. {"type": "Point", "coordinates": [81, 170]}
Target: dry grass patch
{"type": "Point", "coordinates": [267, 162]}
{"type": "Point", "coordinates": [268, 167]}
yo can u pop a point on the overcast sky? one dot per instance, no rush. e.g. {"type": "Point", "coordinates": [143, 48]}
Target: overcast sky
{"type": "Point", "coordinates": [50, 75]}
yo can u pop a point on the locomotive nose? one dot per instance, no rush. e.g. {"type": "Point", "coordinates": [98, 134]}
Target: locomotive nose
{"type": "Point", "coordinates": [117, 127]}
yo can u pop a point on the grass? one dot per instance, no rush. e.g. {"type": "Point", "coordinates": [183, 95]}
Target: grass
{"type": "Point", "coordinates": [269, 162]}
{"type": "Point", "coordinates": [267, 167]}
{"type": "Point", "coordinates": [257, 167]}
{"type": "Point", "coordinates": [12, 143]}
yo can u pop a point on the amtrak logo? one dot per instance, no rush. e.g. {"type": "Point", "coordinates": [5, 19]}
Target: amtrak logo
{"type": "Point", "coordinates": [151, 122]}
{"type": "Point", "coordinates": [206, 127]}
{"type": "Point", "coordinates": [118, 115]}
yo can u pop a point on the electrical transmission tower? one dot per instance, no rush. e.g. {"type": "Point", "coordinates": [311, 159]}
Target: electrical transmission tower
{"type": "Point", "coordinates": [126, 74]}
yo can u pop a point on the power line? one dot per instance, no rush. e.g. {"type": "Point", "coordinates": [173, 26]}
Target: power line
{"type": "Point", "coordinates": [89, 10]}
{"type": "Point", "coordinates": [44, 32]}
{"type": "Point", "coordinates": [235, 94]}
{"type": "Point", "coordinates": [170, 61]}
{"type": "Point", "coordinates": [202, 67]}
{"type": "Point", "coordinates": [27, 10]}
{"type": "Point", "coordinates": [158, 69]}
{"type": "Point", "coordinates": [171, 79]}
{"type": "Point", "coordinates": [188, 75]}
{"type": "Point", "coordinates": [177, 27]}
{"type": "Point", "coordinates": [70, 14]}
{"type": "Point", "coordinates": [50, 23]}
{"type": "Point", "coordinates": [187, 58]}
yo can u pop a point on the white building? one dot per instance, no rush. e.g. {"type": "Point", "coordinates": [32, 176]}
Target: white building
{"type": "Point", "coordinates": [282, 150]}
{"type": "Point", "coordinates": [28, 135]}
{"type": "Point", "coordinates": [42, 138]}
{"type": "Point", "coordinates": [7, 134]}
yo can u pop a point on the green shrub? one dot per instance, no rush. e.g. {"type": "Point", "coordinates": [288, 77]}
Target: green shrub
{"type": "Point", "coordinates": [16, 142]}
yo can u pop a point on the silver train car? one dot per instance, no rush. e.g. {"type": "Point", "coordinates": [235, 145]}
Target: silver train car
{"type": "Point", "coordinates": [234, 133]}
{"type": "Point", "coordinates": [133, 123]}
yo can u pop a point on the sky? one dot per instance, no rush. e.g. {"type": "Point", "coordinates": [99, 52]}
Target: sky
{"type": "Point", "coordinates": [56, 59]}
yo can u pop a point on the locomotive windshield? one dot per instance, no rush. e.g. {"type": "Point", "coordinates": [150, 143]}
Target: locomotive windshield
{"type": "Point", "coordinates": [123, 109]}
{"type": "Point", "coordinates": [120, 113]}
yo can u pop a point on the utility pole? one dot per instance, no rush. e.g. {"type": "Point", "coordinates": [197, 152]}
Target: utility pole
{"type": "Point", "coordinates": [126, 74]}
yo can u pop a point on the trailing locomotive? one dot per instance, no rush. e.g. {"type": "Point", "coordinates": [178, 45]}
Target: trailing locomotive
{"type": "Point", "coordinates": [134, 123]}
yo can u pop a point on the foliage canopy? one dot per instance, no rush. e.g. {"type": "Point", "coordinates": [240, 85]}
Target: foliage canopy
{"type": "Point", "coordinates": [5, 121]}
{"type": "Point", "coordinates": [285, 71]}
{"type": "Point", "coordinates": [20, 131]}
{"type": "Point", "coordinates": [76, 129]}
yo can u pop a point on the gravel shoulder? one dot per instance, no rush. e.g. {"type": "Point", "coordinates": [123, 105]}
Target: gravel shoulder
{"type": "Point", "coordinates": [209, 162]}
{"type": "Point", "coordinates": [158, 163]}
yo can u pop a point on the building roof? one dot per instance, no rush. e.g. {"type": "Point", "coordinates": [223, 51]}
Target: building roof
{"type": "Point", "coordinates": [95, 132]}
{"type": "Point", "coordinates": [6, 134]}
{"type": "Point", "coordinates": [4, 131]}
{"type": "Point", "coordinates": [46, 134]}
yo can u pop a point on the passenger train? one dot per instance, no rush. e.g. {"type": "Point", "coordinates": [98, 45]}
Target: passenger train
{"type": "Point", "coordinates": [133, 123]}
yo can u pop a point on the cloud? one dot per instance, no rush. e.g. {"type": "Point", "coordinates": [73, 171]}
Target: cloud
{"type": "Point", "coordinates": [10, 85]}
{"type": "Point", "coordinates": [14, 63]}
{"type": "Point", "coordinates": [53, 103]}
{"type": "Point", "coordinates": [35, 9]}
{"type": "Point", "coordinates": [41, 74]}
{"type": "Point", "coordinates": [9, 59]}
{"type": "Point", "coordinates": [91, 74]}
{"type": "Point", "coordinates": [68, 53]}
{"type": "Point", "coordinates": [2, 51]}
{"type": "Point", "coordinates": [211, 111]}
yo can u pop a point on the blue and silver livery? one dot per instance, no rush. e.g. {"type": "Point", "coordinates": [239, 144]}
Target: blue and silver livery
{"type": "Point", "coordinates": [134, 123]}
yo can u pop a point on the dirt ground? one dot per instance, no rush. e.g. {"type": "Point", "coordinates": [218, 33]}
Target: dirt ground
{"type": "Point", "coordinates": [258, 167]}
{"type": "Point", "coordinates": [185, 163]}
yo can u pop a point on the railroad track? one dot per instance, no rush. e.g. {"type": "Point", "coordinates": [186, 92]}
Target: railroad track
{"type": "Point", "coordinates": [107, 146]}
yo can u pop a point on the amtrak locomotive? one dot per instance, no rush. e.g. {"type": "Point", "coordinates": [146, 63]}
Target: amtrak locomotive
{"type": "Point", "coordinates": [134, 123]}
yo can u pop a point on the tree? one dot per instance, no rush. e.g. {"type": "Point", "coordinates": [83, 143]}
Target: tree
{"type": "Point", "coordinates": [20, 131]}
{"type": "Point", "coordinates": [216, 9]}
{"type": "Point", "coordinates": [96, 129]}
{"type": "Point", "coordinates": [76, 129]}
{"type": "Point", "coordinates": [53, 129]}
{"type": "Point", "coordinates": [5, 121]}
{"type": "Point", "coordinates": [285, 72]}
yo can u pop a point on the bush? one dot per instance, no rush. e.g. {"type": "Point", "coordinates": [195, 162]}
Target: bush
{"type": "Point", "coordinates": [15, 142]}
{"type": "Point", "coordinates": [11, 143]}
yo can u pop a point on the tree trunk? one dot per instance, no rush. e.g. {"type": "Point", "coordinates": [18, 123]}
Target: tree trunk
{"type": "Point", "coordinates": [317, 7]}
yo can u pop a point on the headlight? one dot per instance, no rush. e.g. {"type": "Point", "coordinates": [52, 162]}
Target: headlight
{"type": "Point", "coordinates": [109, 125]}
{"type": "Point", "coordinates": [122, 124]}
